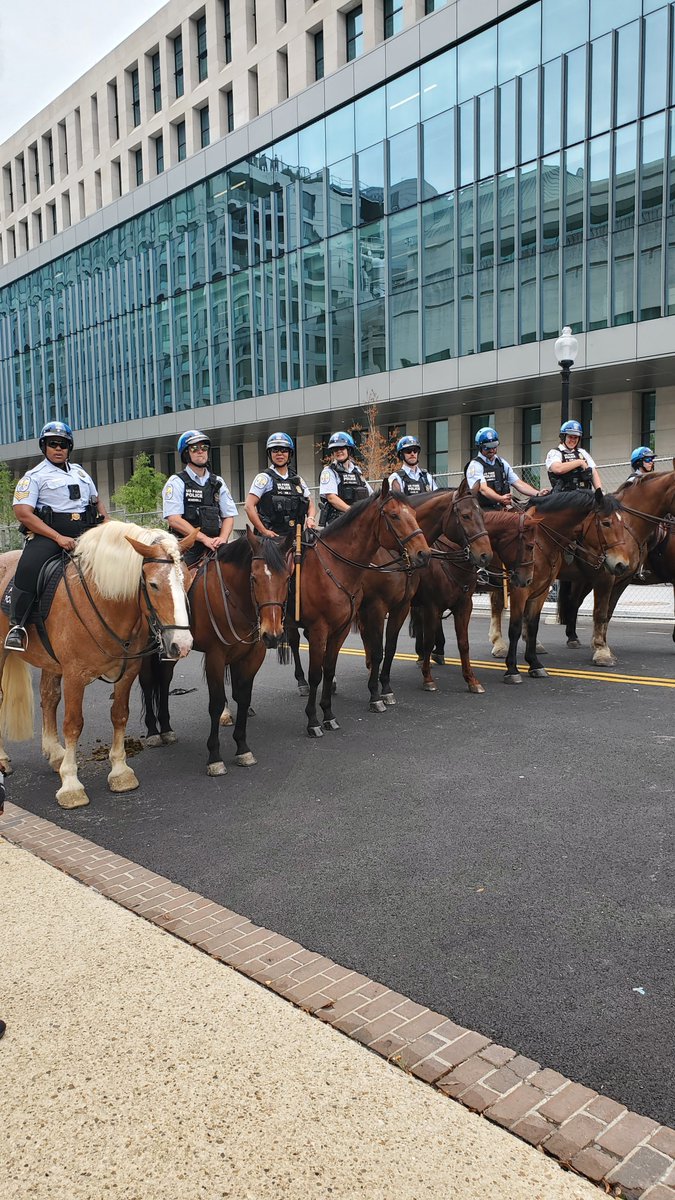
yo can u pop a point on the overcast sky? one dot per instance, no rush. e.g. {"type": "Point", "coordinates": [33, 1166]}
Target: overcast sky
{"type": "Point", "coordinates": [45, 45]}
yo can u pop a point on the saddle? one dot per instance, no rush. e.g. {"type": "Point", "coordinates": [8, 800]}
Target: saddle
{"type": "Point", "coordinates": [49, 579]}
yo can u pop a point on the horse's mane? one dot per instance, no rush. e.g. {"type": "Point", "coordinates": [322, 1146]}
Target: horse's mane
{"type": "Point", "coordinates": [352, 513]}
{"type": "Point", "coordinates": [583, 501]}
{"type": "Point", "coordinates": [415, 501]}
{"type": "Point", "coordinates": [240, 552]}
{"type": "Point", "coordinates": [111, 564]}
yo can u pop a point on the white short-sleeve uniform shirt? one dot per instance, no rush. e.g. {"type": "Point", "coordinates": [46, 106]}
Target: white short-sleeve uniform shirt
{"type": "Point", "coordinates": [173, 496]}
{"type": "Point", "coordinates": [52, 486]}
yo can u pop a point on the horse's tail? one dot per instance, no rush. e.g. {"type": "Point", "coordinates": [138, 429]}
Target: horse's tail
{"type": "Point", "coordinates": [284, 655]}
{"type": "Point", "coordinates": [416, 626]}
{"type": "Point", "coordinates": [565, 609]}
{"type": "Point", "coordinates": [17, 712]}
{"type": "Point", "coordinates": [150, 679]}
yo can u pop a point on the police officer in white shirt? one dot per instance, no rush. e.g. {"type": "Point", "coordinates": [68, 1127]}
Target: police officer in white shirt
{"type": "Point", "coordinates": [54, 502]}
{"type": "Point", "coordinates": [570, 468]}
{"type": "Point", "coordinates": [279, 500]}
{"type": "Point", "coordinates": [197, 499]}
{"type": "Point", "coordinates": [642, 461]}
{"type": "Point", "coordinates": [342, 482]}
{"type": "Point", "coordinates": [492, 476]}
{"type": "Point", "coordinates": [408, 478]}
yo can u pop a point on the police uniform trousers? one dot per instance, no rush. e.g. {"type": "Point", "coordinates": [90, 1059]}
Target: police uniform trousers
{"type": "Point", "coordinates": [37, 551]}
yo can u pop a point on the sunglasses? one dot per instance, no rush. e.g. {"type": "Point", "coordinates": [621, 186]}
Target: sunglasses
{"type": "Point", "coordinates": [411, 450]}
{"type": "Point", "coordinates": [201, 446]}
{"type": "Point", "coordinates": [57, 444]}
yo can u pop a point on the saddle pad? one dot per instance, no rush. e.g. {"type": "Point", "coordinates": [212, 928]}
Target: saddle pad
{"type": "Point", "coordinates": [48, 580]}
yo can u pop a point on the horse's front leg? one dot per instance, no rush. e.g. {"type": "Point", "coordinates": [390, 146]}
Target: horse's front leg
{"type": "Point", "coordinates": [602, 594]}
{"type": "Point", "coordinates": [71, 794]}
{"type": "Point", "coordinates": [370, 619]}
{"type": "Point", "coordinates": [215, 678]}
{"type": "Point", "coordinates": [333, 646]}
{"type": "Point", "coordinates": [50, 696]}
{"type": "Point", "coordinates": [429, 614]}
{"type": "Point", "coordinates": [167, 735]}
{"type": "Point", "coordinates": [499, 646]}
{"type": "Point", "coordinates": [532, 614]}
{"type": "Point", "coordinates": [438, 652]}
{"type": "Point", "coordinates": [243, 673]}
{"type": "Point", "coordinates": [317, 653]}
{"type": "Point", "coordinates": [397, 616]}
{"type": "Point", "coordinates": [518, 599]}
{"type": "Point", "coordinates": [121, 777]}
{"type": "Point", "coordinates": [293, 634]}
{"type": "Point", "coordinates": [461, 615]}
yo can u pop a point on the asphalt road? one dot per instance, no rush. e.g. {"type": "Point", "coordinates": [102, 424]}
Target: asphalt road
{"type": "Point", "coordinates": [505, 859]}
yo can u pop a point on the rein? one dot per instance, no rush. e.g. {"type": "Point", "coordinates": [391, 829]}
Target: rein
{"type": "Point", "coordinates": [386, 568]}
{"type": "Point", "coordinates": [226, 594]}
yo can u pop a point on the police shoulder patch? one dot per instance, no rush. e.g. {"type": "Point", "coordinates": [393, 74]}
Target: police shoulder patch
{"type": "Point", "coordinates": [326, 476]}
{"type": "Point", "coordinates": [261, 480]}
{"type": "Point", "coordinates": [82, 474]}
{"type": "Point", "coordinates": [23, 484]}
{"type": "Point", "coordinates": [168, 491]}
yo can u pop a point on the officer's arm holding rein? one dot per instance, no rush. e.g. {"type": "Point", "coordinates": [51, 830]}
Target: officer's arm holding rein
{"type": "Point", "coordinates": [333, 499]}
{"type": "Point", "coordinates": [28, 517]}
{"type": "Point", "coordinates": [180, 526]}
{"type": "Point", "coordinates": [486, 490]}
{"type": "Point", "coordinates": [558, 467]}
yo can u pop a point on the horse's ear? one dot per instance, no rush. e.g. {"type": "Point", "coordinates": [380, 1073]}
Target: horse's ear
{"type": "Point", "coordinates": [146, 551]}
{"type": "Point", "coordinates": [187, 542]}
{"type": "Point", "coordinates": [463, 488]}
{"type": "Point", "coordinates": [674, 464]}
{"type": "Point", "coordinates": [385, 489]}
{"type": "Point", "coordinates": [252, 538]}
{"type": "Point", "coordinates": [599, 495]}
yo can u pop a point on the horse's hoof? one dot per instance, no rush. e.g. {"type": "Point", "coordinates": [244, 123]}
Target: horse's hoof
{"type": "Point", "coordinates": [226, 717]}
{"type": "Point", "coordinates": [573, 644]}
{"type": "Point", "coordinates": [476, 689]}
{"type": "Point", "coordinates": [216, 768]}
{"type": "Point", "coordinates": [420, 659]}
{"type": "Point", "coordinates": [315, 731]}
{"type": "Point", "coordinates": [251, 711]}
{"type": "Point", "coordinates": [429, 686]}
{"type": "Point", "coordinates": [330, 725]}
{"type": "Point", "coordinates": [439, 659]}
{"type": "Point", "coordinates": [72, 797]}
{"type": "Point", "coordinates": [604, 660]}
{"type": "Point", "coordinates": [538, 673]}
{"type": "Point", "coordinates": [123, 781]}
{"type": "Point", "coordinates": [168, 738]}
{"type": "Point", "coordinates": [515, 678]}
{"type": "Point", "coordinates": [154, 740]}
{"type": "Point", "coordinates": [541, 649]}
{"type": "Point", "coordinates": [499, 651]}
{"type": "Point", "coordinates": [377, 706]}
{"type": "Point", "coordinates": [303, 689]}
{"type": "Point", "coordinates": [245, 760]}
{"type": "Point", "coordinates": [6, 766]}
{"type": "Point", "coordinates": [389, 699]}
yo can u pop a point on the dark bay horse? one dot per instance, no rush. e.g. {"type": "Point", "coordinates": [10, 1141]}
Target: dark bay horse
{"type": "Point", "coordinates": [237, 609]}
{"type": "Point", "coordinates": [123, 589]}
{"type": "Point", "coordinates": [589, 519]}
{"type": "Point", "coordinates": [334, 568]}
{"type": "Point", "coordinates": [646, 504]}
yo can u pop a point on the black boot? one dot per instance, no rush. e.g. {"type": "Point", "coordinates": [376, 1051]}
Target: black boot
{"type": "Point", "coordinates": [22, 602]}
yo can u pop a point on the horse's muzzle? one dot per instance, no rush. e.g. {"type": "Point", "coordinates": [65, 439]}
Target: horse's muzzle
{"type": "Point", "coordinates": [176, 643]}
{"type": "Point", "coordinates": [618, 568]}
{"type": "Point", "coordinates": [421, 559]}
{"type": "Point", "coordinates": [271, 640]}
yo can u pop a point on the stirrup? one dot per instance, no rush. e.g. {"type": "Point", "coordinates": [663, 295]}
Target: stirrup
{"type": "Point", "coordinates": [17, 639]}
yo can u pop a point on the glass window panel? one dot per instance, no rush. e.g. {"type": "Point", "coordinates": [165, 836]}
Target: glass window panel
{"type": "Point", "coordinates": [601, 84]}
{"type": "Point", "coordinates": [371, 183]}
{"type": "Point", "coordinates": [574, 194]}
{"type": "Point", "coordinates": [370, 115]}
{"type": "Point", "coordinates": [466, 269]}
{"type": "Point", "coordinates": [343, 344]}
{"type": "Point", "coordinates": [312, 147]}
{"type": "Point", "coordinates": [575, 96]}
{"type": "Point", "coordinates": [314, 334]}
{"type": "Point", "coordinates": [623, 253]}
{"type": "Point", "coordinates": [313, 281]}
{"type": "Point", "coordinates": [403, 102]}
{"type": "Point", "coordinates": [529, 116]}
{"type": "Point", "coordinates": [528, 210]}
{"type": "Point", "coordinates": [438, 83]}
{"type": "Point", "coordinates": [312, 203]}
{"type": "Point", "coordinates": [438, 238]}
{"type": "Point", "coordinates": [627, 73]}
{"type": "Point", "coordinates": [519, 43]}
{"type": "Point", "coordinates": [604, 15]}
{"type": "Point", "coordinates": [372, 280]}
{"type": "Point", "coordinates": [550, 202]}
{"type": "Point", "coordinates": [652, 168]}
{"type": "Point", "coordinates": [598, 191]}
{"type": "Point", "coordinates": [486, 131]}
{"type": "Point", "coordinates": [506, 246]}
{"type": "Point", "coordinates": [341, 264]}
{"type": "Point", "coordinates": [528, 300]}
{"type": "Point", "coordinates": [438, 141]}
{"type": "Point", "coordinates": [655, 61]}
{"type": "Point", "coordinates": [466, 313]}
{"type": "Point", "coordinates": [404, 349]}
{"type": "Point", "coordinates": [340, 194]}
{"type": "Point", "coordinates": [559, 36]}
{"type": "Point", "coordinates": [649, 281]}
{"type": "Point", "coordinates": [625, 148]}
{"type": "Point", "coordinates": [550, 284]}
{"type": "Point", "coordinates": [439, 320]}
{"type": "Point", "coordinates": [506, 320]}
{"type": "Point", "coordinates": [507, 125]}
{"type": "Point", "coordinates": [486, 223]}
{"type": "Point", "coordinates": [403, 250]}
{"type": "Point", "coordinates": [671, 168]}
{"type": "Point", "coordinates": [477, 64]}
{"type": "Point", "coordinates": [340, 133]}
{"type": "Point", "coordinates": [552, 133]}
{"type": "Point", "coordinates": [467, 168]}
{"type": "Point", "coordinates": [670, 268]}
{"type": "Point", "coordinates": [572, 310]}
{"type": "Point", "coordinates": [486, 309]}
{"type": "Point", "coordinates": [403, 171]}
{"type": "Point", "coordinates": [597, 283]}
{"type": "Point", "coordinates": [372, 340]}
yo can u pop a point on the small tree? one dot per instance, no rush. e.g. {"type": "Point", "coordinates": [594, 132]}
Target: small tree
{"type": "Point", "coordinates": [142, 494]}
{"type": "Point", "coordinates": [377, 449]}
{"type": "Point", "coordinates": [7, 486]}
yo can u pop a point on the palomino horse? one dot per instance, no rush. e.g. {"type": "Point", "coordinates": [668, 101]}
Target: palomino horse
{"type": "Point", "coordinates": [333, 571]}
{"type": "Point", "coordinates": [456, 517]}
{"type": "Point", "coordinates": [121, 592]}
{"type": "Point", "coordinates": [237, 605]}
{"type": "Point", "coordinates": [588, 519]}
{"type": "Point", "coordinates": [646, 504]}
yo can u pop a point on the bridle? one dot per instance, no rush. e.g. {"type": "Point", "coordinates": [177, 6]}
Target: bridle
{"type": "Point", "coordinates": [468, 538]}
{"type": "Point", "coordinates": [401, 563]}
{"type": "Point", "coordinates": [227, 599]}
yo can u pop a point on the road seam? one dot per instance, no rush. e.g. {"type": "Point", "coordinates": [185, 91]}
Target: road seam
{"type": "Point", "coordinates": [629, 1154]}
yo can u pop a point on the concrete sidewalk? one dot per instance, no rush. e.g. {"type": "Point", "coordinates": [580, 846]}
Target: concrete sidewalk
{"type": "Point", "coordinates": [136, 1066]}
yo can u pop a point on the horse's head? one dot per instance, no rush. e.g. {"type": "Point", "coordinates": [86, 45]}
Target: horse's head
{"type": "Point", "coordinates": [606, 535]}
{"type": "Point", "coordinates": [271, 569]}
{"type": "Point", "coordinates": [399, 529]}
{"type": "Point", "coordinates": [521, 572]}
{"type": "Point", "coordinates": [463, 523]}
{"type": "Point", "coordinates": [163, 593]}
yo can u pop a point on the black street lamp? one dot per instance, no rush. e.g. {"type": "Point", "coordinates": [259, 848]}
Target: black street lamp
{"type": "Point", "coordinates": [566, 350]}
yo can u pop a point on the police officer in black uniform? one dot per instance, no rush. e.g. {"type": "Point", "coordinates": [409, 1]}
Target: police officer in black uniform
{"type": "Point", "coordinates": [54, 502]}
{"type": "Point", "coordinates": [490, 476]}
{"type": "Point", "coordinates": [278, 499]}
{"type": "Point", "coordinates": [196, 498]}
{"type": "Point", "coordinates": [409, 478]}
{"type": "Point", "coordinates": [342, 482]}
{"type": "Point", "coordinates": [570, 468]}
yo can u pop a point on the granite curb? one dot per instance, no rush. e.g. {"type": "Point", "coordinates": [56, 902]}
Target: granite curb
{"type": "Point", "coordinates": [629, 1155]}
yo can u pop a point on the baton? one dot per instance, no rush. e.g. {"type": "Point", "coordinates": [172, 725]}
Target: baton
{"type": "Point", "coordinates": [298, 561]}
{"type": "Point", "coordinates": [505, 585]}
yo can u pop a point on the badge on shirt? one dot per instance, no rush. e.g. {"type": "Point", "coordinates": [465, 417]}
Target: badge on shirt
{"type": "Point", "coordinates": [168, 491]}
{"type": "Point", "coordinates": [326, 476]}
{"type": "Point", "coordinates": [261, 481]}
{"type": "Point", "coordinates": [82, 474]}
{"type": "Point", "coordinates": [22, 486]}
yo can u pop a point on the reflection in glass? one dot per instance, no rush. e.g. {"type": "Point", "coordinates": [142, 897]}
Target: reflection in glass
{"type": "Point", "coordinates": [559, 36]}
{"type": "Point", "coordinates": [529, 116]}
{"type": "Point", "coordinates": [625, 155]}
{"type": "Point", "coordinates": [598, 196]}
{"type": "Point", "coordinates": [372, 282]}
{"type": "Point", "coordinates": [404, 329]}
{"type": "Point", "coordinates": [371, 183]}
{"type": "Point", "coordinates": [370, 118]}
{"type": "Point", "coordinates": [438, 142]}
{"type": "Point", "coordinates": [438, 84]}
{"type": "Point", "coordinates": [655, 61]}
{"type": "Point", "coordinates": [403, 102]}
{"type": "Point", "coordinates": [519, 38]}
{"type": "Point", "coordinates": [477, 64]}
{"type": "Point", "coordinates": [340, 133]}
{"type": "Point", "coordinates": [403, 170]}
{"type": "Point", "coordinates": [601, 84]}
{"type": "Point", "coordinates": [551, 131]}
{"type": "Point", "coordinates": [467, 121]}
{"type": "Point", "coordinates": [340, 194]}
{"type": "Point", "coordinates": [312, 147]}
{"type": "Point", "coordinates": [343, 344]}
{"type": "Point", "coordinates": [575, 129]}
{"type": "Point", "coordinates": [652, 168]}
{"type": "Point", "coordinates": [341, 267]}
{"type": "Point", "coordinates": [486, 304]}
{"type": "Point", "coordinates": [467, 342]}
{"type": "Point", "coordinates": [486, 130]}
{"type": "Point", "coordinates": [403, 250]}
{"type": "Point", "coordinates": [604, 14]}
{"type": "Point", "coordinates": [597, 283]}
{"type": "Point", "coordinates": [507, 125]}
{"type": "Point", "coordinates": [627, 72]}
{"type": "Point", "coordinates": [528, 260]}
{"type": "Point", "coordinates": [439, 320]}
{"type": "Point", "coordinates": [438, 240]}
{"type": "Point", "coordinates": [372, 340]}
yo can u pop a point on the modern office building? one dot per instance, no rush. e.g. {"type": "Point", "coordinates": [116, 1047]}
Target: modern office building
{"type": "Point", "coordinates": [247, 218]}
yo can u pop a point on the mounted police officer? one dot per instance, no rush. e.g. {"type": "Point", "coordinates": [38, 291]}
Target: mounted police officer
{"type": "Point", "coordinates": [642, 461]}
{"type": "Point", "coordinates": [491, 476]}
{"type": "Point", "coordinates": [197, 499]}
{"type": "Point", "coordinates": [278, 499]}
{"type": "Point", "coordinates": [54, 502]}
{"type": "Point", "coordinates": [570, 468]}
{"type": "Point", "coordinates": [409, 478]}
{"type": "Point", "coordinates": [342, 482]}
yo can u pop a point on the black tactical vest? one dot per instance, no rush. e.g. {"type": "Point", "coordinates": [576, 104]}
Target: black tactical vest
{"type": "Point", "coordinates": [351, 487]}
{"type": "Point", "coordinates": [495, 477]}
{"type": "Point", "coordinates": [414, 487]}
{"type": "Point", "coordinates": [200, 503]}
{"type": "Point", "coordinates": [284, 505]}
{"type": "Point", "coordinates": [573, 481]}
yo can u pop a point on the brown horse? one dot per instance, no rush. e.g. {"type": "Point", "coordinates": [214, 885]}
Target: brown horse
{"type": "Point", "coordinates": [237, 609]}
{"type": "Point", "coordinates": [452, 515]}
{"type": "Point", "coordinates": [591, 521]}
{"type": "Point", "coordinates": [645, 505]}
{"type": "Point", "coordinates": [123, 590]}
{"type": "Point", "coordinates": [333, 572]}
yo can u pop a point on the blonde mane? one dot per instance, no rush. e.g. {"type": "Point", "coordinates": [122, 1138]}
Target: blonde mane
{"type": "Point", "coordinates": [111, 564]}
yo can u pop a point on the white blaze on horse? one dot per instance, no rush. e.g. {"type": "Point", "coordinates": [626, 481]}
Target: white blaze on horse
{"type": "Point", "coordinates": [122, 593]}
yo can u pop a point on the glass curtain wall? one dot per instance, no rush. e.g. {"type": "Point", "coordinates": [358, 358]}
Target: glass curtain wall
{"type": "Point", "coordinates": [520, 181]}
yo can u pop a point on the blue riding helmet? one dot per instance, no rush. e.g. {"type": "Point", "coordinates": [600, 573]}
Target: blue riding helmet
{"type": "Point", "coordinates": [571, 427]}
{"type": "Point", "coordinates": [642, 454]}
{"type": "Point", "coordinates": [55, 429]}
{"type": "Point", "coordinates": [487, 438]}
{"type": "Point", "coordinates": [189, 438]}
{"type": "Point", "coordinates": [340, 440]}
{"type": "Point", "coordinates": [408, 442]}
{"type": "Point", "coordinates": [279, 441]}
